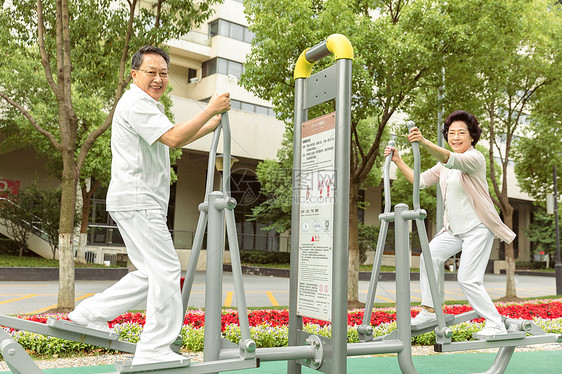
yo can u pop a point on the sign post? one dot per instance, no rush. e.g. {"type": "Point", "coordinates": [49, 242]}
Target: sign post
{"type": "Point", "coordinates": [320, 206]}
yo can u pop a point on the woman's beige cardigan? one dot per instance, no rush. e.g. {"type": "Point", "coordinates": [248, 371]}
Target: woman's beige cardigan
{"type": "Point", "coordinates": [472, 164]}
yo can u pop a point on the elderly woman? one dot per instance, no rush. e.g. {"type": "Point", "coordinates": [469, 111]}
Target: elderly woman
{"type": "Point", "coordinates": [470, 219]}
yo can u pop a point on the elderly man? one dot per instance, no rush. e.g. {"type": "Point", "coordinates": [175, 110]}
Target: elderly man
{"type": "Point", "coordinates": [137, 200]}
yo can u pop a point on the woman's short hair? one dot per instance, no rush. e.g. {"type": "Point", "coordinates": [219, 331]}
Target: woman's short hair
{"type": "Point", "coordinates": [468, 118]}
{"type": "Point", "coordinates": [138, 57]}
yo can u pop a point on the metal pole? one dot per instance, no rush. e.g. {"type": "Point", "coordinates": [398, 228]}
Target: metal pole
{"type": "Point", "coordinates": [403, 324]}
{"type": "Point", "coordinates": [213, 279]}
{"type": "Point", "coordinates": [439, 206]}
{"type": "Point", "coordinates": [558, 265]}
{"type": "Point", "coordinates": [341, 217]}
{"type": "Point", "coordinates": [439, 196]}
{"type": "Point", "coordinates": [295, 321]}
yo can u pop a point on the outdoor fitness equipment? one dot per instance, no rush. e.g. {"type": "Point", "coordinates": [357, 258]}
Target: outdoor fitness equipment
{"type": "Point", "coordinates": [217, 206]}
{"type": "Point", "coordinates": [517, 329]}
{"type": "Point", "coordinates": [319, 259]}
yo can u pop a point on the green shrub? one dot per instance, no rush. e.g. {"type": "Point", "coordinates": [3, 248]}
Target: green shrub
{"type": "Point", "coordinates": [192, 338]}
{"type": "Point", "coordinates": [10, 247]}
{"type": "Point", "coordinates": [530, 264]}
{"type": "Point", "coordinates": [264, 257]}
{"type": "Point", "coordinates": [42, 345]}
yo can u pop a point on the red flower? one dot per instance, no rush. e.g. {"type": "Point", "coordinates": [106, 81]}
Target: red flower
{"type": "Point", "coordinates": [196, 318]}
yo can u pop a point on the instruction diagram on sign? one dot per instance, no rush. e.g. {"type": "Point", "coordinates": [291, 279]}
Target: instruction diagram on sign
{"type": "Point", "coordinates": [317, 181]}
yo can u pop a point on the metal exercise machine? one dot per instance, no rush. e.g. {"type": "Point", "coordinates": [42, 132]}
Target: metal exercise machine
{"type": "Point", "coordinates": [214, 211]}
{"type": "Point", "coordinates": [519, 332]}
{"type": "Point", "coordinates": [319, 256]}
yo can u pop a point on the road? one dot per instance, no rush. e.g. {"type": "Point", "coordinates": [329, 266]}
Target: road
{"type": "Point", "coordinates": [38, 297]}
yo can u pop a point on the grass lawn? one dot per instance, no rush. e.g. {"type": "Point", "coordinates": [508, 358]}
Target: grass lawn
{"type": "Point", "coordinates": [29, 261]}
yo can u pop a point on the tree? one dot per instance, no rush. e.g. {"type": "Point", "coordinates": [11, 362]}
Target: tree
{"type": "Point", "coordinates": [519, 46]}
{"type": "Point", "coordinates": [539, 149]}
{"type": "Point", "coordinates": [69, 98]}
{"type": "Point", "coordinates": [396, 52]}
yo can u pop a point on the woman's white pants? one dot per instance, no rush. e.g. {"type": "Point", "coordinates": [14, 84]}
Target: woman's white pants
{"type": "Point", "coordinates": [156, 280]}
{"type": "Point", "coordinates": [476, 246]}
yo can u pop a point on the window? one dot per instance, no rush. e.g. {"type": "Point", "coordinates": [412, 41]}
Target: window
{"type": "Point", "coordinates": [234, 68]}
{"type": "Point", "coordinates": [230, 30]}
{"type": "Point", "coordinates": [222, 66]}
{"type": "Point", "coordinates": [191, 73]}
{"type": "Point", "coordinates": [236, 31]}
{"type": "Point", "coordinates": [213, 28]}
{"type": "Point", "coordinates": [209, 67]}
{"type": "Point", "coordinates": [261, 110]}
{"type": "Point", "coordinates": [253, 108]}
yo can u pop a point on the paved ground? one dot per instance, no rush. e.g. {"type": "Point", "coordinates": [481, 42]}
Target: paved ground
{"type": "Point", "coordinates": [526, 360]}
{"type": "Point", "coordinates": [37, 297]}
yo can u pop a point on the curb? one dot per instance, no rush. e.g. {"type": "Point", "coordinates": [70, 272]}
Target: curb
{"type": "Point", "coordinates": [49, 274]}
{"type": "Point", "coordinates": [285, 273]}
{"type": "Point", "coordinates": [363, 275]}
{"type": "Point", "coordinates": [527, 272]}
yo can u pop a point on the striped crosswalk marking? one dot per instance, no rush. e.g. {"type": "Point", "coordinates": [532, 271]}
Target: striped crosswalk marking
{"type": "Point", "coordinates": [271, 298]}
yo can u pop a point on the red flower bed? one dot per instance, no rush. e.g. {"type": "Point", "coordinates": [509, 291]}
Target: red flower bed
{"type": "Point", "coordinates": [540, 309]}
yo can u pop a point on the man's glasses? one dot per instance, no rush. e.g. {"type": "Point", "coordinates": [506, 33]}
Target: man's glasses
{"type": "Point", "coordinates": [164, 74]}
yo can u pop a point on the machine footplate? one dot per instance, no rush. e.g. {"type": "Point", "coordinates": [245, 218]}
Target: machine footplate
{"type": "Point", "coordinates": [509, 336]}
{"type": "Point", "coordinates": [425, 325]}
{"type": "Point", "coordinates": [127, 366]}
{"type": "Point", "coordinates": [62, 324]}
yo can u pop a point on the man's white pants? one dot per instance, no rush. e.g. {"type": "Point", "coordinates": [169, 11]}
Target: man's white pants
{"type": "Point", "coordinates": [157, 280]}
{"type": "Point", "coordinates": [476, 246]}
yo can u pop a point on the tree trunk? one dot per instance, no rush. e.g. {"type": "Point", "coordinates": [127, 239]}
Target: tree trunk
{"type": "Point", "coordinates": [66, 224]}
{"type": "Point", "coordinates": [510, 288]}
{"type": "Point", "coordinates": [353, 269]}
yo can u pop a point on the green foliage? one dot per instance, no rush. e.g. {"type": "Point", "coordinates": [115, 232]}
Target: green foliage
{"type": "Point", "coordinates": [276, 185]}
{"type": "Point", "coordinates": [542, 231]}
{"type": "Point", "coordinates": [393, 52]}
{"type": "Point", "coordinates": [16, 216]}
{"type": "Point", "coordinates": [368, 239]}
{"type": "Point", "coordinates": [537, 153]}
{"type": "Point", "coordinates": [192, 338]}
{"type": "Point", "coordinates": [33, 210]}
{"type": "Point", "coordinates": [264, 257]}
{"type": "Point", "coordinates": [45, 205]}
{"type": "Point", "coordinates": [62, 80]}
{"type": "Point", "coordinates": [45, 346]}
{"type": "Point", "coordinates": [9, 247]}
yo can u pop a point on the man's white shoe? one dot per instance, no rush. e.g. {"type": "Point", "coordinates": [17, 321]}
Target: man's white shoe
{"type": "Point", "coordinates": [422, 317]}
{"type": "Point", "coordinates": [96, 324]}
{"type": "Point", "coordinates": [171, 356]}
{"type": "Point", "coordinates": [492, 331]}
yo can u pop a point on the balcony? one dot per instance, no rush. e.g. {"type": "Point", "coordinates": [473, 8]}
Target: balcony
{"type": "Point", "coordinates": [195, 45]}
{"type": "Point", "coordinates": [197, 37]}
